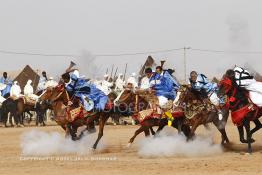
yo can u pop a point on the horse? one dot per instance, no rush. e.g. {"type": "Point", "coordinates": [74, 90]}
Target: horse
{"type": "Point", "coordinates": [26, 107]}
{"type": "Point", "coordinates": [242, 110]}
{"type": "Point", "coordinates": [17, 107]}
{"type": "Point", "coordinates": [9, 108]}
{"type": "Point", "coordinates": [131, 99]}
{"type": "Point", "coordinates": [59, 99]}
{"type": "Point", "coordinates": [203, 115]}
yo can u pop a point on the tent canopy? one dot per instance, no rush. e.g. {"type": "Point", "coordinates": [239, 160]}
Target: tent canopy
{"type": "Point", "coordinates": [27, 74]}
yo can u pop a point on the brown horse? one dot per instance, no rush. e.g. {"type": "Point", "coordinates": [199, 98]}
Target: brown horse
{"type": "Point", "coordinates": [17, 108]}
{"type": "Point", "coordinates": [22, 107]}
{"type": "Point", "coordinates": [132, 100]}
{"type": "Point", "coordinates": [58, 98]}
{"type": "Point", "coordinates": [207, 114]}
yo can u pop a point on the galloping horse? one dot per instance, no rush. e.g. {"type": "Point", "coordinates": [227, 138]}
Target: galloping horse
{"type": "Point", "coordinates": [203, 116]}
{"type": "Point", "coordinates": [58, 98]}
{"type": "Point", "coordinates": [138, 103]}
{"type": "Point", "coordinates": [243, 111]}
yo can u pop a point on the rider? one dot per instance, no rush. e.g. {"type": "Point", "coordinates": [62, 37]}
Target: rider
{"type": "Point", "coordinates": [85, 91]}
{"type": "Point", "coordinates": [120, 83]}
{"type": "Point", "coordinates": [29, 91]}
{"type": "Point", "coordinates": [15, 90]}
{"type": "Point", "coordinates": [245, 80]}
{"type": "Point", "coordinates": [106, 85]}
{"type": "Point", "coordinates": [42, 82]}
{"type": "Point", "coordinates": [166, 88]}
{"type": "Point", "coordinates": [200, 83]}
{"type": "Point", "coordinates": [132, 80]}
{"type": "Point", "coordinates": [8, 84]}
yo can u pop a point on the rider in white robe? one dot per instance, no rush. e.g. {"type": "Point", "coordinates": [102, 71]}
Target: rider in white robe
{"type": "Point", "coordinates": [51, 83]}
{"type": "Point", "coordinates": [106, 85]}
{"type": "Point", "coordinates": [145, 83]}
{"type": "Point", "coordinates": [120, 83]}
{"type": "Point", "coordinates": [29, 91]}
{"type": "Point", "coordinates": [15, 90]}
{"type": "Point", "coordinates": [245, 80]}
{"type": "Point", "coordinates": [132, 80]}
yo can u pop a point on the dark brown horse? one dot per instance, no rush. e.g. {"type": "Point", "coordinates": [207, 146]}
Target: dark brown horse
{"type": "Point", "coordinates": [207, 114]}
{"type": "Point", "coordinates": [17, 107]}
{"type": "Point", "coordinates": [58, 98]}
{"type": "Point", "coordinates": [135, 102]}
{"type": "Point", "coordinates": [242, 110]}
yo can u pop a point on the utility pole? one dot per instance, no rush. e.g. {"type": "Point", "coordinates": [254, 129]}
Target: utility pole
{"type": "Point", "coordinates": [185, 63]}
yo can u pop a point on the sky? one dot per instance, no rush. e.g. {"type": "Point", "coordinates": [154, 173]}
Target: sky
{"type": "Point", "coordinates": [87, 28]}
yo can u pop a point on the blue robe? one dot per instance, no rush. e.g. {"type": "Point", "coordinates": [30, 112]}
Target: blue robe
{"type": "Point", "coordinates": [81, 88]}
{"type": "Point", "coordinates": [202, 83]}
{"type": "Point", "coordinates": [164, 85]}
{"type": "Point", "coordinates": [8, 84]}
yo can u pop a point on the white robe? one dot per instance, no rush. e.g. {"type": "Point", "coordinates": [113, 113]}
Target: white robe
{"type": "Point", "coordinates": [51, 83]}
{"type": "Point", "coordinates": [254, 87]}
{"type": "Point", "coordinates": [255, 93]}
{"type": "Point", "coordinates": [15, 91]}
{"type": "Point", "coordinates": [132, 80]}
{"type": "Point", "coordinates": [29, 91]}
{"type": "Point", "coordinates": [145, 83]}
{"type": "Point", "coordinates": [119, 84]}
{"type": "Point", "coordinates": [106, 87]}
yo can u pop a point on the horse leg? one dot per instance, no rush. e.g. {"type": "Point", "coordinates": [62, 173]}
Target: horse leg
{"type": "Point", "coordinates": [241, 134]}
{"type": "Point", "coordinates": [193, 129]}
{"type": "Point", "coordinates": [224, 138]}
{"type": "Point", "coordinates": [257, 127]}
{"type": "Point", "coordinates": [10, 117]}
{"type": "Point", "coordinates": [71, 131]}
{"type": "Point", "coordinates": [162, 124]}
{"type": "Point", "coordinates": [102, 121]}
{"type": "Point", "coordinates": [147, 132]}
{"type": "Point", "coordinates": [91, 127]}
{"type": "Point", "coordinates": [37, 118]}
{"type": "Point", "coordinates": [66, 129]}
{"type": "Point", "coordinates": [186, 130]}
{"type": "Point", "coordinates": [152, 130]}
{"type": "Point", "coordinates": [246, 123]}
{"type": "Point", "coordinates": [222, 130]}
{"type": "Point", "coordinates": [137, 132]}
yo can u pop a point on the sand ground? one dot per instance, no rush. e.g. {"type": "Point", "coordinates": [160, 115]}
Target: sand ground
{"type": "Point", "coordinates": [117, 159]}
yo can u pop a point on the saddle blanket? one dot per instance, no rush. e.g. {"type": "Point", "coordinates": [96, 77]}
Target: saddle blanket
{"type": "Point", "coordinates": [147, 114]}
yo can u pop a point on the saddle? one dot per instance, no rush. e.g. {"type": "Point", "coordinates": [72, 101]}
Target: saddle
{"type": "Point", "coordinates": [146, 114]}
{"type": "Point", "coordinates": [27, 100]}
{"type": "Point", "coordinates": [192, 109]}
{"type": "Point", "coordinates": [75, 113]}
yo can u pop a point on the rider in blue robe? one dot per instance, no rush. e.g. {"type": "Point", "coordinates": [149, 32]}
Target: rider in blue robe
{"type": "Point", "coordinates": [85, 91]}
{"type": "Point", "coordinates": [164, 84]}
{"type": "Point", "coordinates": [5, 80]}
{"type": "Point", "coordinates": [202, 83]}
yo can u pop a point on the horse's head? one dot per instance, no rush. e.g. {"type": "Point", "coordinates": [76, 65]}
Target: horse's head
{"type": "Point", "coordinates": [52, 94]}
{"type": "Point", "coordinates": [186, 95]}
{"type": "Point", "coordinates": [235, 96]}
{"type": "Point", "coordinates": [225, 87]}
{"type": "Point", "coordinates": [127, 96]}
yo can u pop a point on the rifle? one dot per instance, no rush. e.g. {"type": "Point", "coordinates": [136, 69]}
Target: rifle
{"type": "Point", "coordinates": [125, 72]}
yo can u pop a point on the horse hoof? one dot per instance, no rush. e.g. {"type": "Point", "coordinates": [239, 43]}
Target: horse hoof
{"type": "Point", "coordinates": [128, 145]}
{"type": "Point", "coordinates": [253, 140]}
{"type": "Point", "coordinates": [243, 141]}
